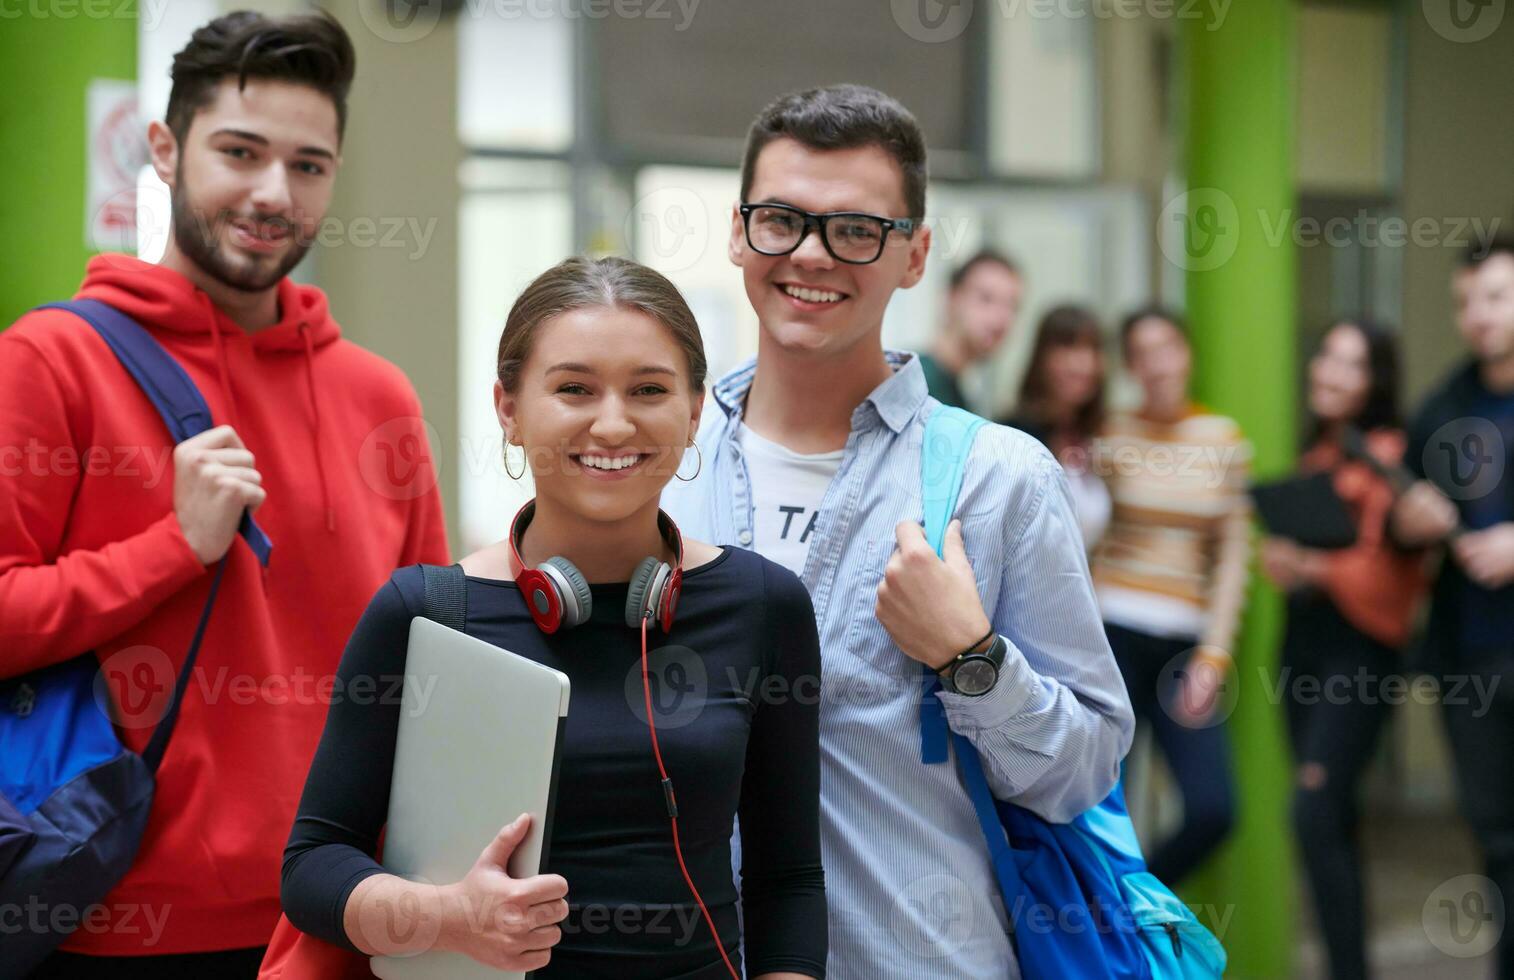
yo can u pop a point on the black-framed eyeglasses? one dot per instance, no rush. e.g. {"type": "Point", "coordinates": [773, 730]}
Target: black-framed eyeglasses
{"type": "Point", "coordinates": [849, 236]}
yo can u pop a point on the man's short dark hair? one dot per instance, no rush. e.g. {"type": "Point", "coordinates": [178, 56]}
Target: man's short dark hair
{"type": "Point", "coordinates": [1482, 252]}
{"type": "Point", "coordinates": [843, 117]}
{"type": "Point", "coordinates": [306, 49]}
{"type": "Point", "coordinates": [1152, 312]}
{"type": "Point", "coordinates": [986, 256]}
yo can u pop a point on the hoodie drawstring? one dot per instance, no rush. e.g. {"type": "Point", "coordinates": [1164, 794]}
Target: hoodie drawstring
{"type": "Point", "coordinates": [220, 348]}
{"type": "Point", "coordinates": [315, 411]}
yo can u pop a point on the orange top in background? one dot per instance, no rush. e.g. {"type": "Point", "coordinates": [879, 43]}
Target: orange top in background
{"type": "Point", "coordinates": [1375, 585]}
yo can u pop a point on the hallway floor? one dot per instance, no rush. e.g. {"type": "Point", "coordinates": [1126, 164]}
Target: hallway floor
{"type": "Point", "coordinates": [1408, 857]}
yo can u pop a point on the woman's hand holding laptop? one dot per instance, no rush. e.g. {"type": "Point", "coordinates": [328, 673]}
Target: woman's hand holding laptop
{"type": "Point", "coordinates": [504, 922]}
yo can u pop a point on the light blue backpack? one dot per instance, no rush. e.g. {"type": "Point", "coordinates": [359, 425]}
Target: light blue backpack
{"type": "Point", "coordinates": [1079, 899]}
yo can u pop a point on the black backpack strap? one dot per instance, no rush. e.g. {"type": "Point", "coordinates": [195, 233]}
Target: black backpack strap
{"type": "Point", "coordinates": [158, 744]}
{"type": "Point", "coordinates": [446, 595]}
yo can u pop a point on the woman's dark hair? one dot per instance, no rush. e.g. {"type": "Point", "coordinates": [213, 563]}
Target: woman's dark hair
{"type": "Point", "coordinates": [1152, 312]}
{"type": "Point", "coordinates": [1381, 407]}
{"type": "Point", "coordinates": [1062, 327]}
{"type": "Point", "coordinates": [609, 283]}
{"type": "Point", "coordinates": [843, 117]}
{"type": "Point", "coordinates": [307, 49]}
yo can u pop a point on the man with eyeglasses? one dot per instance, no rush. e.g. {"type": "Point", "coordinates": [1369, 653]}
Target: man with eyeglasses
{"type": "Point", "coordinates": [815, 461]}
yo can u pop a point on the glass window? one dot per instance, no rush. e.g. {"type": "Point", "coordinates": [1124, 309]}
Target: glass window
{"type": "Point", "coordinates": [1042, 94]}
{"type": "Point", "coordinates": [680, 225]}
{"type": "Point", "coordinates": [516, 221]}
{"type": "Point", "coordinates": [515, 76]}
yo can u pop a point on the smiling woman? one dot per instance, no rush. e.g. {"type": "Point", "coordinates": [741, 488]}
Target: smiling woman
{"type": "Point", "coordinates": [600, 380]}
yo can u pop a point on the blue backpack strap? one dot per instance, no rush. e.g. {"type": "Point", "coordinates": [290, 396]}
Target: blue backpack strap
{"type": "Point", "coordinates": [970, 766]}
{"type": "Point", "coordinates": [949, 434]}
{"type": "Point", "coordinates": [160, 377]}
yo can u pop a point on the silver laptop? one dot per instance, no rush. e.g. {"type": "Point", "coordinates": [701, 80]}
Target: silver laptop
{"type": "Point", "coordinates": [479, 743]}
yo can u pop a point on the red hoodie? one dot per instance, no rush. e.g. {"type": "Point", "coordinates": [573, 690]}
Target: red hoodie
{"type": "Point", "coordinates": [93, 558]}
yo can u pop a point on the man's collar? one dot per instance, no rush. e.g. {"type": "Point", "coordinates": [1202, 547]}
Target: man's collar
{"type": "Point", "coordinates": [895, 401]}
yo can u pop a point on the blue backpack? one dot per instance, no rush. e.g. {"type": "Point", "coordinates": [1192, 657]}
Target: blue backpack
{"type": "Point", "coordinates": [73, 800]}
{"type": "Point", "coordinates": [1078, 897]}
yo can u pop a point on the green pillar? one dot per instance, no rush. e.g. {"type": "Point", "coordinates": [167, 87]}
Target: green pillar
{"type": "Point", "coordinates": [48, 54]}
{"type": "Point", "coordinates": [1240, 89]}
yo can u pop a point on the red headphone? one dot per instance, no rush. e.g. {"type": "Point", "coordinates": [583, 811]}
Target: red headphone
{"type": "Point", "coordinates": [557, 594]}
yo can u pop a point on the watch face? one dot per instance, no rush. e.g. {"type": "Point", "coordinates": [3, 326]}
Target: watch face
{"type": "Point", "coordinates": [975, 675]}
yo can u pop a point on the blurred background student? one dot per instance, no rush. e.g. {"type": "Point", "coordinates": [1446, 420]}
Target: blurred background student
{"type": "Point", "coordinates": [1349, 616]}
{"type": "Point", "coordinates": [982, 304]}
{"type": "Point", "coordinates": [1171, 571]}
{"type": "Point", "coordinates": [1061, 403]}
{"type": "Point", "coordinates": [1461, 446]}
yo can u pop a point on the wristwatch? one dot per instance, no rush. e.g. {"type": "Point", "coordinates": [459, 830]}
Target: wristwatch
{"type": "Point", "coordinates": [974, 674]}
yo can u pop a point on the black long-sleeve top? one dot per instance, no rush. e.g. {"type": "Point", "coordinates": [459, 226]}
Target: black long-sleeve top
{"type": "Point", "coordinates": [735, 696]}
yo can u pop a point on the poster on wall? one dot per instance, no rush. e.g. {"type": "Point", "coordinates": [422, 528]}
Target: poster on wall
{"type": "Point", "coordinates": [115, 151]}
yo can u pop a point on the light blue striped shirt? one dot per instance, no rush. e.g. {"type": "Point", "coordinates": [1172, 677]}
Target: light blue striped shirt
{"type": "Point", "coordinates": [909, 883]}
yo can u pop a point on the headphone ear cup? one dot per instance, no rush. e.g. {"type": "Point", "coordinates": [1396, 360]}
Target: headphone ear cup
{"type": "Point", "coordinates": [637, 596]}
{"type": "Point", "coordinates": [572, 587]}
{"type": "Point", "coordinates": [668, 602]}
{"type": "Point", "coordinates": [543, 598]}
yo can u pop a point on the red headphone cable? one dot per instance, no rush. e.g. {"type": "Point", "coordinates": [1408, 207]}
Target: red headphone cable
{"type": "Point", "coordinates": [667, 790]}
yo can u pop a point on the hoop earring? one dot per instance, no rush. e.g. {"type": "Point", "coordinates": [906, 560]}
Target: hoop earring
{"type": "Point", "coordinates": [505, 451]}
{"type": "Point", "coordinates": [700, 456]}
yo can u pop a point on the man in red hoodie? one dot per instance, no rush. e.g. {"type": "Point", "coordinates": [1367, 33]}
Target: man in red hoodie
{"type": "Point", "coordinates": [107, 529]}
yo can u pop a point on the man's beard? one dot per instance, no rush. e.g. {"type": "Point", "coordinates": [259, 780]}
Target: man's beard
{"type": "Point", "coordinates": [200, 240]}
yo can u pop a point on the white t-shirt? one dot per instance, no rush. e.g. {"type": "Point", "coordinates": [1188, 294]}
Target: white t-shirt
{"type": "Point", "coordinates": [787, 488]}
